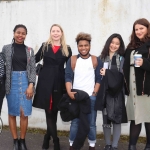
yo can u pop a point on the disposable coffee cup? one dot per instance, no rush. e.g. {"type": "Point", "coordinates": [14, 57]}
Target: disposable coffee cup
{"type": "Point", "coordinates": [135, 59]}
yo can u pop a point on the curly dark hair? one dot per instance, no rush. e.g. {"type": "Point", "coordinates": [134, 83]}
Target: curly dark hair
{"type": "Point", "coordinates": [83, 36]}
{"type": "Point", "coordinates": [135, 42]}
{"type": "Point", "coordinates": [19, 26]}
{"type": "Point", "coordinates": [105, 51]}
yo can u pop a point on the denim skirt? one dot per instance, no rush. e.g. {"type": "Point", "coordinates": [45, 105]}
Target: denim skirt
{"type": "Point", "coordinates": [16, 99]}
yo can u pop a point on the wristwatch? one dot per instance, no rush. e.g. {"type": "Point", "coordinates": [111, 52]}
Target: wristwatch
{"type": "Point", "coordinates": [94, 93]}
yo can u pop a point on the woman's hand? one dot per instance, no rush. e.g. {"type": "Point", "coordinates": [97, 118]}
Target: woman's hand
{"type": "Point", "coordinates": [29, 91]}
{"type": "Point", "coordinates": [71, 95]}
{"type": "Point", "coordinates": [139, 61]}
{"type": "Point", "coordinates": [102, 71]}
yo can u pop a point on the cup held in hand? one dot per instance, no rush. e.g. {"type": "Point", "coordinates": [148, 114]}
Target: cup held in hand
{"type": "Point", "coordinates": [135, 59]}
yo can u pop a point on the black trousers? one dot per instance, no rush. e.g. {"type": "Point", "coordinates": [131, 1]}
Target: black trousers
{"type": "Point", "coordinates": [2, 91]}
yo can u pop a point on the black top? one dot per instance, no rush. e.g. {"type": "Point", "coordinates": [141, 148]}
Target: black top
{"type": "Point", "coordinates": [19, 60]}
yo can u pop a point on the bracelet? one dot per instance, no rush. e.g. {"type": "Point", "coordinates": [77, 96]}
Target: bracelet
{"type": "Point", "coordinates": [94, 93]}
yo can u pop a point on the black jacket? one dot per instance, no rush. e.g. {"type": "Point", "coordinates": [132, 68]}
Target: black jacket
{"type": "Point", "coordinates": [111, 95]}
{"type": "Point", "coordinates": [78, 108]}
{"type": "Point", "coordinates": [142, 73]}
{"type": "Point", "coordinates": [51, 80]}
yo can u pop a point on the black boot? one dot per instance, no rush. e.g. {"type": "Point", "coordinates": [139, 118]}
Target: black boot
{"type": "Point", "coordinates": [22, 144]}
{"type": "Point", "coordinates": [45, 145]}
{"type": "Point", "coordinates": [107, 147]}
{"type": "Point", "coordinates": [16, 144]}
{"type": "Point", "coordinates": [56, 144]}
{"type": "Point", "coordinates": [132, 147]}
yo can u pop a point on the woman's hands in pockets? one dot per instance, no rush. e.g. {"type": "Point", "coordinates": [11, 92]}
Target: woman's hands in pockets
{"type": "Point", "coordinates": [102, 71]}
{"type": "Point", "coordinates": [29, 91]}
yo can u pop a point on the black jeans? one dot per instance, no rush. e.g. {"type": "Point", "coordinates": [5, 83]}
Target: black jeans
{"type": "Point", "coordinates": [2, 91]}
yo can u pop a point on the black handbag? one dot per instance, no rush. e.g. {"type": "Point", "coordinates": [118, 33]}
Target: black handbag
{"type": "Point", "coordinates": [39, 65]}
{"type": "Point", "coordinates": [38, 68]}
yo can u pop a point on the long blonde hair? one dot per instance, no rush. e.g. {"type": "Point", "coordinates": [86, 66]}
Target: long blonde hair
{"type": "Point", "coordinates": [62, 41]}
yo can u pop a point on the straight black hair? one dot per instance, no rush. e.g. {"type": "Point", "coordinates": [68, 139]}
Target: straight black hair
{"type": "Point", "coordinates": [105, 51]}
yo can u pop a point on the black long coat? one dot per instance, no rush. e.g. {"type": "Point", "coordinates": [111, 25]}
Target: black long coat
{"type": "Point", "coordinates": [51, 80]}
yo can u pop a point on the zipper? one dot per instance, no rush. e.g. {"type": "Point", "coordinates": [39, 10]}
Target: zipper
{"type": "Point", "coordinates": [145, 75]}
{"type": "Point", "coordinates": [143, 83]}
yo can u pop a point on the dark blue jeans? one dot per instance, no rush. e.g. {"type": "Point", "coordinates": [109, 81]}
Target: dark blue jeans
{"type": "Point", "coordinates": [92, 121]}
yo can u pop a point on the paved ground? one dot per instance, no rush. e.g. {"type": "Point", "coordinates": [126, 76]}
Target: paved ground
{"type": "Point", "coordinates": [34, 142]}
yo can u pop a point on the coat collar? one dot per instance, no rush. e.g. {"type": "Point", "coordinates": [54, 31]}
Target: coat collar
{"type": "Point", "coordinates": [51, 54]}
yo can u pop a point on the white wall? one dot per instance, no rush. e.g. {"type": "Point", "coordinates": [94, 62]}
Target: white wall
{"type": "Point", "coordinates": [100, 18]}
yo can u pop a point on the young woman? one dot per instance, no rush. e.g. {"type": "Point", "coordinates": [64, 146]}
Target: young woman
{"type": "Point", "coordinates": [51, 81]}
{"type": "Point", "coordinates": [20, 78]}
{"type": "Point", "coordinates": [110, 98]}
{"type": "Point", "coordinates": [138, 81]}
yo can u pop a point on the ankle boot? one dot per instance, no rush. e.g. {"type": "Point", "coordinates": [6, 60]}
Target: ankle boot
{"type": "Point", "coordinates": [22, 144]}
{"type": "Point", "coordinates": [56, 144]}
{"type": "Point", "coordinates": [16, 144]}
{"type": "Point", "coordinates": [107, 147]}
{"type": "Point", "coordinates": [132, 147]}
{"type": "Point", "coordinates": [46, 142]}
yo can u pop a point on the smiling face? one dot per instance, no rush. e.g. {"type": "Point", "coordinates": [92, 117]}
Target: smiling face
{"type": "Point", "coordinates": [84, 48]}
{"type": "Point", "coordinates": [140, 31]}
{"type": "Point", "coordinates": [114, 45]}
{"type": "Point", "coordinates": [20, 35]}
{"type": "Point", "coordinates": [56, 33]}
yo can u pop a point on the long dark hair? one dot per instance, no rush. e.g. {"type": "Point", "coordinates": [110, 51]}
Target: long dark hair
{"type": "Point", "coordinates": [105, 51]}
{"type": "Point", "coordinates": [135, 42]}
{"type": "Point", "coordinates": [19, 26]}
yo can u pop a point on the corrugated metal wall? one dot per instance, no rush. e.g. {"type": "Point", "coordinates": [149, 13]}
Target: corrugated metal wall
{"type": "Point", "coordinates": [100, 18]}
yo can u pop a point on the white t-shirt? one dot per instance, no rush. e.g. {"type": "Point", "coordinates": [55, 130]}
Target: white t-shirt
{"type": "Point", "coordinates": [84, 75]}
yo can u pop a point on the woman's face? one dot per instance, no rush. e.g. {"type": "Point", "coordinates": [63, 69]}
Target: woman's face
{"type": "Point", "coordinates": [56, 33]}
{"type": "Point", "coordinates": [140, 31]}
{"type": "Point", "coordinates": [114, 45]}
{"type": "Point", "coordinates": [20, 35]}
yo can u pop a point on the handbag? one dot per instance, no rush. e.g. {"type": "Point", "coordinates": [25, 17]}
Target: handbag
{"type": "Point", "coordinates": [39, 65]}
{"type": "Point", "coordinates": [39, 68]}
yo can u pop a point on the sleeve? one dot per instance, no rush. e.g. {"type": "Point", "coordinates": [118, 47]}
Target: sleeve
{"type": "Point", "coordinates": [3, 53]}
{"type": "Point", "coordinates": [146, 64]}
{"type": "Point", "coordinates": [98, 77]}
{"type": "Point", "coordinates": [32, 77]}
{"type": "Point", "coordinates": [69, 72]}
{"type": "Point", "coordinates": [39, 54]}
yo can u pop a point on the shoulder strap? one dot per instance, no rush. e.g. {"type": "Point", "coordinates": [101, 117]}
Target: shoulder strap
{"type": "Point", "coordinates": [29, 49]}
{"type": "Point", "coordinates": [73, 61]}
{"type": "Point", "coordinates": [94, 61]}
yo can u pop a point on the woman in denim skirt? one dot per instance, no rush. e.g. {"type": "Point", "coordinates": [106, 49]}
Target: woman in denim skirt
{"type": "Point", "coordinates": [20, 79]}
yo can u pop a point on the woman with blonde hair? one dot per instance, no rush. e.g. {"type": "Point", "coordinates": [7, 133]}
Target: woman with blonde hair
{"type": "Point", "coordinates": [51, 81]}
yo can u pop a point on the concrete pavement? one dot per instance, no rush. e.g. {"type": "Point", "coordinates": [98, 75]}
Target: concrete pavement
{"type": "Point", "coordinates": [34, 142]}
